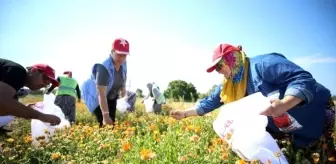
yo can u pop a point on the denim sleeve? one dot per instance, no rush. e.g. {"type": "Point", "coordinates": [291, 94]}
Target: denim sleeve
{"type": "Point", "coordinates": [278, 70]}
{"type": "Point", "coordinates": [210, 103]}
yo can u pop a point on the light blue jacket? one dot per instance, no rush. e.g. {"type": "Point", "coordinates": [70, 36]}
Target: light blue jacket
{"type": "Point", "coordinates": [273, 73]}
{"type": "Point", "coordinates": [89, 89]}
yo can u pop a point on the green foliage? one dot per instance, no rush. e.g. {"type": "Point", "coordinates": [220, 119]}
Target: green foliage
{"type": "Point", "coordinates": [212, 89]}
{"type": "Point", "coordinates": [179, 90]}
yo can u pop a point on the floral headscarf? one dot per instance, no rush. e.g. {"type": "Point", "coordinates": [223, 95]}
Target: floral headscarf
{"type": "Point", "coordinates": [234, 88]}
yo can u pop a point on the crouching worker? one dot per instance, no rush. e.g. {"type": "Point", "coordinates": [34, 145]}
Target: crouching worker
{"type": "Point", "coordinates": [158, 97]}
{"type": "Point", "coordinates": [106, 81]}
{"type": "Point", "coordinates": [13, 77]}
{"type": "Point", "coordinates": [302, 108]}
{"type": "Point", "coordinates": [66, 95]}
{"type": "Point", "coordinates": [130, 99]}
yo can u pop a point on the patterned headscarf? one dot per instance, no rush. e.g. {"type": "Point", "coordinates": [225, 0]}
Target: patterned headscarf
{"type": "Point", "coordinates": [234, 88]}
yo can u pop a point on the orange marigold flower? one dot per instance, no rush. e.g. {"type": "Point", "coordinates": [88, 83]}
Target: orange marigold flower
{"type": "Point", "coordinates": [147, 154]}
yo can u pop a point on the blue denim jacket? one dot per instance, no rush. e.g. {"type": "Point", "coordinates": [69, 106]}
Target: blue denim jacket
{"type": "Point", "coordinates": [273, 73]}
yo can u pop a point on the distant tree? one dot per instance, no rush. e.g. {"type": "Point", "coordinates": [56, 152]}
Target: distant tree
{"type": "Point", "coordinates": [334, 97]}
{"type": "Point", "coordinates": [139, 93]}
{"type": "Point", "coordinates": [212, 89]}
{"type": "Point", "coordinates": [179, 89]}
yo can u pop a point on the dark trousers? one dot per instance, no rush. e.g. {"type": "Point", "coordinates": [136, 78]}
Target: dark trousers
{"type": "Point", "coordinates": [68, 105]}
{"type": "Point", "coordinates": [112, 108]}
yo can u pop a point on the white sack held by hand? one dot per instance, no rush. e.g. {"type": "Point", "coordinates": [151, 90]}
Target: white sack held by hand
{"type": "Point", "coordinates": [241, 120]}
{"type": "Point", "coordinates": [40, 128]}
{"type": "Point", "coordinates": [122, 105]}
{"type": "Point", "coordinates": [149, 105]}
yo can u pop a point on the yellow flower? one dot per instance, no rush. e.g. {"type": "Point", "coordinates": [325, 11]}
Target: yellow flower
{"type": "Point", "coordinates": [197, 129]}
{"type": "Point", "coordinates": [147, 154]}
{"type": "Point", "coordinates": [171, 121]}
{"type": "Point", "coordinates": [182, 158]}
{"type": "Point", "coordinates": [10, 140]}
{"type": "Point", "coordinates": [225, 156]}
{"type": "Point", "coordinates": [240, 162]}
{"type": "Point", "coordinates": [228, 136]}
{"type": "Point", "coordinates": [190, 127]}
{"type": "Point", "coordinates": [210, 149]}
{"type": "Point", "coordinates": [331, 159]}
{"type": "Point", "coordinates": [6, 150]}
{"type": "Point", "coordinates": [156, 138]}
{"type": "Point", "coordinates": [56, 156]}
{"type": "Point", "coordinates": [127, 123]}
{"type": "Point", "coordinates": [253, 162]}
{"type": "Point", "coordinates": [153, 127]}
{"type": "Point", "coordinates": [68, 157]}
{"type": "Point", "coordinates": [316, 157]}
{"type": "Point", "coordinates": [105, 162]}
{"type": "Point", "coordinates": [103, 146]}
{"type": "Point", "coordinates": [28, 139]}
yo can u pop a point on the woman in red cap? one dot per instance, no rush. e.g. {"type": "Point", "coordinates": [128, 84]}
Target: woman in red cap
{"type": "Point", "coordinates": [302, 109]}
{"type": "Point", "coordinates": [13, 77]}
{"type": "Point", "coordinates": [106, 82]}
{"type": "Point", "coordinates": [66, 95]}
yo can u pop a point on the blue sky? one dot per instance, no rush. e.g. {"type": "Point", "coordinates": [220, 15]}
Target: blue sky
{"type": "Point", "coordinates": [169, 39]}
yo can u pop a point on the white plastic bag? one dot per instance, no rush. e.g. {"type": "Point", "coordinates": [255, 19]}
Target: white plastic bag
{"type": "Point", "coordinates": [251, 141]}
{"type": "Point", "coordinates": [243, 109]}
{"type": "Point", "coordinates": [39, 128]}
{"type": "Point", "coordinates": [122, 105]}
{"type": "Point", "coordinates": [242, 126]}
{"type": "Point", "coordinates": [5, 120]}
{"type": "Point", "coordinates": [149, 105]}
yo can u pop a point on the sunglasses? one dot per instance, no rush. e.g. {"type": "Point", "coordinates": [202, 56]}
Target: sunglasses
{"type": "Point", "coordinates": [219, 65]}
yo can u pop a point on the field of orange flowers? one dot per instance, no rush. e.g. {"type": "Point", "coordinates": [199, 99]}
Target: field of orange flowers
{"type": "Point", "coordinates": [137, 137]}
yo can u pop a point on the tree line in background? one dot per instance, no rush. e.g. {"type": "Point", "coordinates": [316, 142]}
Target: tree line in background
{"type": "Point", "coordinates": [177, 90]}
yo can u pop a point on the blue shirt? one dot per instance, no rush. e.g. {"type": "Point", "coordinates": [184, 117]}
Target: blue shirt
{"type": "Point", "coordinates": [273, 73]}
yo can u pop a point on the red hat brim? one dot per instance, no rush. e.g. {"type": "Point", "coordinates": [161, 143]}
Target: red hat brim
{"type": "Point", "coordinates": [213, 65]}
{"type": "Point", "coordinates": [121, 52]}
{"type": "Point", "coordinates": [54, 82]}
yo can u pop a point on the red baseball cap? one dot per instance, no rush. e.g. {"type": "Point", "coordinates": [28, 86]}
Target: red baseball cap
{"type": "Point", "coordinates": [67, 73]}
{"type": "Point", "coordinates": [48, 71]}
{"type": "Point", "coordinates": [121, 46]}
{"type": "Point", "coordinates": [220, 51]}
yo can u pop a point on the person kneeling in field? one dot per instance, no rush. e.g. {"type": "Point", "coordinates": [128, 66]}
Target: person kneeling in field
{"type": "Point", "coordinates": [300, 97]}
{"type": "Point", "coordinates": [13, 77]}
